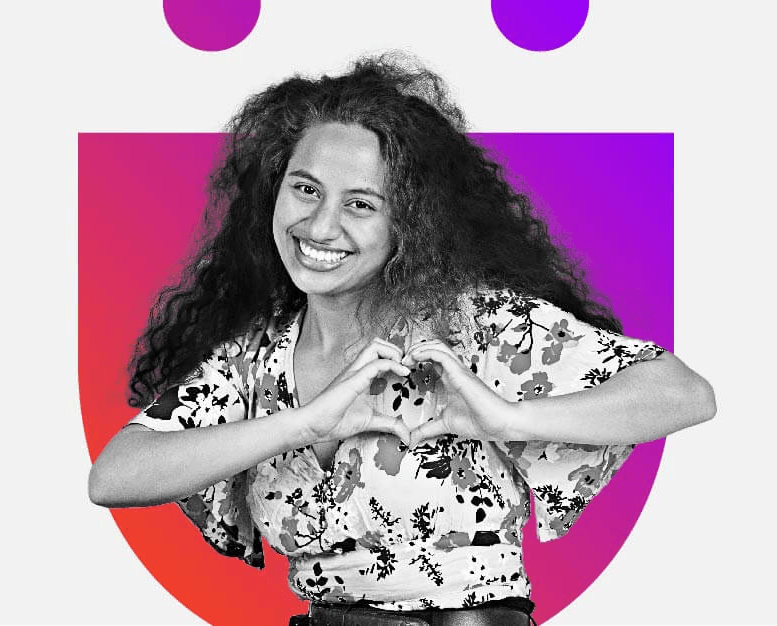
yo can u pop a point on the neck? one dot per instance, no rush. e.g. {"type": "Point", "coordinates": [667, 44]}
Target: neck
{"type": "Point", "coordinates": [331, 324]}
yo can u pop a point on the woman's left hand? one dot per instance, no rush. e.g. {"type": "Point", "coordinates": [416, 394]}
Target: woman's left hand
{"type": "Point", "coordinates": [473, 410]}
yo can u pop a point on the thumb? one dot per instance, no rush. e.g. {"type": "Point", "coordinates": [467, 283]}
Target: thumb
{"type": "Point", "coordinates": [428, 430]}
{"type": "Point", "coordinates": [390, 424]}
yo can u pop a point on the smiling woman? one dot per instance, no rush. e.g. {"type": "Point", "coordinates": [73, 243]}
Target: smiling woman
{"type": "Point", "coordinates": [331, 223]}
{"type": "Point", "coordinates": [396, 360]}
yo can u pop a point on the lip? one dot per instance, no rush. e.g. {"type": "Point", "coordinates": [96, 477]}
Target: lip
{"type": "Point", "coordinates": [317, 245]}
{"type": "Point", "coordinates": [315, 265]}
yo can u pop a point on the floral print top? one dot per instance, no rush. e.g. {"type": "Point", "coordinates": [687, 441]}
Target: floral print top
{"type": "Point", "coordinates": [436, 526]}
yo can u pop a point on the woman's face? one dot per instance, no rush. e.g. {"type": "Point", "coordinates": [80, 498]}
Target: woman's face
{"type": "Point", "coordinates": [331, 222]}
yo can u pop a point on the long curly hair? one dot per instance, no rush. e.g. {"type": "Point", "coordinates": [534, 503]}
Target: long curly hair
{"type": "Point", "coordinates": [456, 221]}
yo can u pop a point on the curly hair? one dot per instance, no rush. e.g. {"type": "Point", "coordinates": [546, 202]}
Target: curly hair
{"type": "Point", "coordinates": [456, 221]}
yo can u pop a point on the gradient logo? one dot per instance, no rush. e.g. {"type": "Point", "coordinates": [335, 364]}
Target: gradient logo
{"type": "Point", "coordinates": [607, 197]}
{"type": "Point", "coordinates": [534, 25]}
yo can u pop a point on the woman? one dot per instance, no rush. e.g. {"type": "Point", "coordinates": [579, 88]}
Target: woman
{"type": "Point", "coordinates": [373, 311]}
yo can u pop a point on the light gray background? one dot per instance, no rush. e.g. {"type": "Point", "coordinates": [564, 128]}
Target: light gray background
{"type": "Point", "coordinates": [703, 549]}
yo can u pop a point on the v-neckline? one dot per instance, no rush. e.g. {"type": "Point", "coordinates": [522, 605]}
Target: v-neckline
{"type": "Point", "coordinates": [288, 366]}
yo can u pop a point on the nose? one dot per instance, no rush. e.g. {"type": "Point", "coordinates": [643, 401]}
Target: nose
{"type": "Point", "coordinates": [324, 222]}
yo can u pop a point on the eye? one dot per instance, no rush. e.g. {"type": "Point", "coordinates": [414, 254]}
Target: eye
{"type": "Point", "coordinates": [306, 190]}
{"type": "Point", "coordinates": [361, 205]}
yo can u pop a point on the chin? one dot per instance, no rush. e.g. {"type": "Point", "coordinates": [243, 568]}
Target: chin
{"type": "Point", "coordinates": [312, 284]}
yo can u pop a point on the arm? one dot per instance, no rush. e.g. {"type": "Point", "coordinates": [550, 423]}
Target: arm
{"type": "Point", "coordinates": [643, 402]}
{"type": "Point", "coordinates": [567, 447]}
{"type": "Point", "coordinates": [543, 375]}
{"type": "Point", "coordinates": [142, 467]}
{"type": "Point", "coordinates": [562, 400]}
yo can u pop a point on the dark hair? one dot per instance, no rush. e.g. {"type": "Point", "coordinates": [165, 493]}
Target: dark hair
{"type": "Point", "coordinates": [456, 222]}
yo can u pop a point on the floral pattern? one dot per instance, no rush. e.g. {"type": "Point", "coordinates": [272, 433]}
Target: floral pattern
{"type": "Point", "coordinates": [440, 525]}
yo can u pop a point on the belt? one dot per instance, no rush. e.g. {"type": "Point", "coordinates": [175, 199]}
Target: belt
{"type": "Point", "coordinates": [507, 612]}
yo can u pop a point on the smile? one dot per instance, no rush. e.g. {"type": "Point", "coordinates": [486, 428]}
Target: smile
{"type": "Point", "coordinates": [326, 257]}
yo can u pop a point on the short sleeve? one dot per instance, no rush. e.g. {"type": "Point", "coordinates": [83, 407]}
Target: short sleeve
{"type": "Point", "coordinates": [213, 394]}
{"type": "Point", "coordinates": [529, 349]}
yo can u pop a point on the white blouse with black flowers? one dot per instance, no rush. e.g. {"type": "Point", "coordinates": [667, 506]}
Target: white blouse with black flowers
{"type": "Point", "coordinates": [437, 526]}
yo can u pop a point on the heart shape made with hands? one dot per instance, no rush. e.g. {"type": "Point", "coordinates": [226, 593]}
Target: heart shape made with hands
{"type": "Point", "coordinates": [461, 403]}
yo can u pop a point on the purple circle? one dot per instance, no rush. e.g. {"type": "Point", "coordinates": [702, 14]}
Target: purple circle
{"type": "Point", "coordinates": [211, 25]}
{"type": "Point", "coordinates": [539, 25]}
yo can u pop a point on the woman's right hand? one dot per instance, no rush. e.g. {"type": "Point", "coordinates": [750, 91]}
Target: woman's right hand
{"type": "Point", "coordinates": [343, 408]}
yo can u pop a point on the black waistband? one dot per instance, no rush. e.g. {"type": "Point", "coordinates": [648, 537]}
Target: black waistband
{"type": "Point", "coordinates": [362, 612]}
{"type": "Point", "coordinates": [521, 604]}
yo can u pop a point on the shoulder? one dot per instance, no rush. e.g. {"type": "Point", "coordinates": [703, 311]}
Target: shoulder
{"type": "Point", "coordinates": [542, 348]}
{"type": "Point", "coordinates": [503, 301]}
{"type": "Point", "coordinates": [239, 345]}
{"type": "Point", "coordinates": [233, 357]}
{"type": "Point", "coordinates": [494, 310]}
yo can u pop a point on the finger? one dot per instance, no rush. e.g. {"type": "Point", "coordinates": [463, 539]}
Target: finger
{"type": "Point", "coordinates": [391, 346]}
{"type": "Point", "coordinates": [425, 343]}
{"type": "Point", "coordinates": [428, 430]}
{"type": "Point", "coordinates": [349, 388]}
{"type": "Point", "coordinates": [376, 349]}
{"type": "Point", "coordinates": [446, 358]}
{"type": "Point", "coordinates": [390, 424]}
{"type": "Point", "coordinates": [420, 342]}
{"type": "Point", "coordinates": [413, 355]}
{"type": "Point", "coordinates": [363, 377]}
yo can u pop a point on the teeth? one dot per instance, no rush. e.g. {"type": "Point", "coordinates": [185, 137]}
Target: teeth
{"type": "Point", "coordinates": [327, 256]}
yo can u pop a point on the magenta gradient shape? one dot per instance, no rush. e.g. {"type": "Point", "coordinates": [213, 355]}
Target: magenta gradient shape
{"type": "Point", "coordinates": [540, 25]}
{"type": "Point", "coordinates": [607, 197]}
{"type": "Point", "coordinates": [211, 25]}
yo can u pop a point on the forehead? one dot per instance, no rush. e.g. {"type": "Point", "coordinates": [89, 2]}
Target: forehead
{"type": "Point", "coordinates": [340, 152]}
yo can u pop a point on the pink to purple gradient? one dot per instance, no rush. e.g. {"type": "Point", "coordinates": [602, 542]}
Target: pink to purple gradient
{"type": "Point", "coordinates": [607, 197]}
{"type": "Point", "coordinates": [211, 25]}
{"type": "Point", "coordinates": [539, 25]}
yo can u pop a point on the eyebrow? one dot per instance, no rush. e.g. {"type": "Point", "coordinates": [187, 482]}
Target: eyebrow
{"type": "Point", "coordinates": [362, 190]}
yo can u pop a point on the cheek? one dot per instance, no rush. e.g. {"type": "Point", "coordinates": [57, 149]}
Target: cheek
{"type": "Point", "coordinates": [376, 242]}
{"type": "Point", "coordinates": [281, 220]}
{"type": "Point", "coordinates": [387, 240]}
